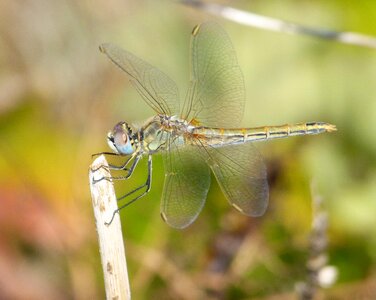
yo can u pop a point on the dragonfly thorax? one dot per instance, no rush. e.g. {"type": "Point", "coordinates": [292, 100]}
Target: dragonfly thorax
{"type": "Point", "coordinates": [120, 139]}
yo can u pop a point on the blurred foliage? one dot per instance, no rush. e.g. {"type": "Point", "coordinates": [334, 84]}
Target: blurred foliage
{"type": "Point", "coordinates": [59, 96]}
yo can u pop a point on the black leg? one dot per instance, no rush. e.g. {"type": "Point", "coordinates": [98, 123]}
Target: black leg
{"type": "Point", "coordinates": [122, 167]}
{"type": "Point", "coordinates": [129, 171]}
{"type": "Point", "coordinates": [147, 184]}
{"type": "Point", "coordinates": [105, 153]}
{"type": "Point", "coordinates": [114, 167]}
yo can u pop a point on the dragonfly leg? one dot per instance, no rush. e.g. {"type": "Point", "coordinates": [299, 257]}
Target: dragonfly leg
{"type": "Point", "coordinates": [147, 184]}
{"type": "Point", "coordinates": [103, 153]}
{"type": "Point", "coordinates": [122, 167]}
{"type": "Point", "coordinates": [114, 167]}
{"type": "Point", "coordinates": [129, 171]}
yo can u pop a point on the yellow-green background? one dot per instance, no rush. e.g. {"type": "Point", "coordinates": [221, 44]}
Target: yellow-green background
{"type": "Point", "coordinates": [59, 95]}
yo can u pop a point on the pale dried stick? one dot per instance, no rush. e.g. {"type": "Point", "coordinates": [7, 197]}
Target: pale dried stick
{"type": "Point", "coordinates": [273, 24]}
{"type": "Point", "coordinates": [111, 245]}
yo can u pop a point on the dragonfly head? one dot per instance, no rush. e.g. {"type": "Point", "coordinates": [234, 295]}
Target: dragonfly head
{"type": "Point", "coordinates": [120, 139]}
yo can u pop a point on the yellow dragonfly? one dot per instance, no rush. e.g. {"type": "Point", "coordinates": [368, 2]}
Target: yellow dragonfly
{"type": "Point", "coordinates": [199, 134]}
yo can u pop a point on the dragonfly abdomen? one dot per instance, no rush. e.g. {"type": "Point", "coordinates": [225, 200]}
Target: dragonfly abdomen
{"type": "Point", "coordinates": [282, 131]}
{"type": "Point", "coordinates": [220, 136]}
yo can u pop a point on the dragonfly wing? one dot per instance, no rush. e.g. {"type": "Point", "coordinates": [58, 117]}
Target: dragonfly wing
{"type": "Point", "coordinates": [216, 96]}
{"type": "Point", "coordinates": [157, 89]}
{"type": "Point", "coordinates": [241, 174]}
{"type": "Point", "coordinates": [187, 181]}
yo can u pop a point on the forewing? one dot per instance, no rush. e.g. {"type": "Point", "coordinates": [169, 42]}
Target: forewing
{"type": "Point", "coordinates": [156, 88]}
{"type": "Point", "coordinates": [216, 95]}
{"type": "Point", "coordinates": [241, 174]}
{"type": "Point", "coordinates": [187, 181]}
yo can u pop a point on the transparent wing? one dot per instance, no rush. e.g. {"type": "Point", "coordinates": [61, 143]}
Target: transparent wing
{"type": "Point", "coordinates": [187, 181]}
{"type": "Point", "coordinates": [241, 174]}
{"type": "Point", "coordinates": [216, 95]}
{"type": "Point", "coordinates": [156, 88]}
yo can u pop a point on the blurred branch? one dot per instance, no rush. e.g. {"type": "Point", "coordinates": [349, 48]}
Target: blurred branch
{"type": "Point", "coordinates": [272, 24]}
{"type": "Point", "coordinates": [110, 237]}
{"type": "Point", "coordinates": [319, 274]}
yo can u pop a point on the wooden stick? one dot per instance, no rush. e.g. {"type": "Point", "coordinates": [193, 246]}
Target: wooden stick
{"type": "Point", "coordinates": [111, 245]}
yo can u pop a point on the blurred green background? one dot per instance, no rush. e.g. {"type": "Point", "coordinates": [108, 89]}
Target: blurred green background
{"type": "Point", "coordinates": [59, 96]}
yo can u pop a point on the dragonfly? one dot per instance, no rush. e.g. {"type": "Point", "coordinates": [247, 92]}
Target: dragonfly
{"type": "Point", "coordinates": [199, 135]}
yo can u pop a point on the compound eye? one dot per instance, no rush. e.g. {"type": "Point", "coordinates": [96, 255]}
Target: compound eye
{"type": "Point", "coordinates": [119, 139]}
{"type": "Point", "coordinates": [122, 143]}
{"type": "Point", "coordinates": [125, 138]}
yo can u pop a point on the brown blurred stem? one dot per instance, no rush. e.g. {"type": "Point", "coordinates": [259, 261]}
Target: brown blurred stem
{"type": "Point", "coordinates": [318, 243]}
{"type": "Point", "coordinates": [110, 238]}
